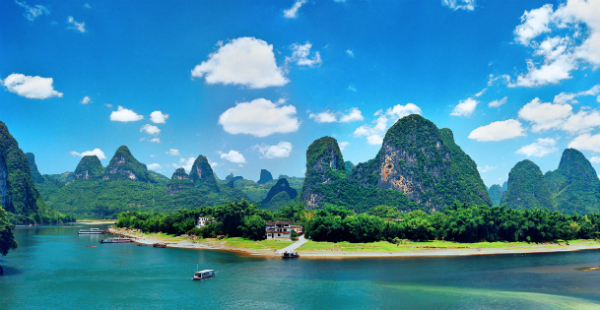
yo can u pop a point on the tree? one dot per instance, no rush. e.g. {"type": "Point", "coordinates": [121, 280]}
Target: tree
{"type": "Point", "coordinates": [7, 238]}
{"type": "Point", "coordinates": [253, 227]}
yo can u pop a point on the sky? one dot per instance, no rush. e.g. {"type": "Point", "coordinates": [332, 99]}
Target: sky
{"type": "Point", "coordinates": [251, 84]}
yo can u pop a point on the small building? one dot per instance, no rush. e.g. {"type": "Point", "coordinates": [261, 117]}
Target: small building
{"type": "Point", "coordinates": [281, 229]}
{"type": "Point", "coordinates": [203, 221]}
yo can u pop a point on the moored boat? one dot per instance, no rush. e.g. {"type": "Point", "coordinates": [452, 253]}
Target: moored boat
{"type": "Point", "coordinates": [116, 240]}
{"type": "Point", "coordinates": [200, 275]}
{"type": "Point", "coordinates": [290, 255]}
{"type": "Point", "coordinates": [160, 245]}
{"type": "Point", "coordinates": [95, 231]}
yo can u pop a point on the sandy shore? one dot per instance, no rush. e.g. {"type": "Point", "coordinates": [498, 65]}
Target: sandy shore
{"type": "Point", "coordinates": [96, 222]}
{"type": "Point", "coordinates": [216, 245]}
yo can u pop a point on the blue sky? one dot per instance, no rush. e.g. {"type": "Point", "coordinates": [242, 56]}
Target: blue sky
{"type": "Point", "coordinates": [250, 84]}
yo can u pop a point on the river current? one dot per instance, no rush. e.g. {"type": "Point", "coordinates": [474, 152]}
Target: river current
{"type": "Point", "coordinates": [54, 268]}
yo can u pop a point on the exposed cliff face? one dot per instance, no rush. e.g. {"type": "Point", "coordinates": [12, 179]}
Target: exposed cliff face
{"type": "Point", "coordinates": [265, 176]}
{"type": "Point", "coordinates": [123, 166]}
{"type": "Point", "coordinates": [527, 188]}
{"type": "Point", "coordinates": [89, 168]}
{"type": "Point", "coordinates": [282, 186]}
{"type": "Point", "coordinates": [423, 162]}
{"type": "Point", "coordinates": [17, 189]}
{"type": "Point", "coordinates": [203, 175]}
{"type": "Point", "coordinates": [323, 161]}
{"type": "Point", "coordinates": [575, 186]}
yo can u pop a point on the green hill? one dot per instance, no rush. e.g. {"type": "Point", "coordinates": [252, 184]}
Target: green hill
{"type": "Point", "coordinates": [123, 166]}
{"type": "Point", "coordinates": [89, 168]}
{"type": "Point", "coordinates": [575, 186]}
{"type": "Point", "coordinates": [279, 195]}
{"type": "Point", "coordinates": [527, 188]}
{"type": "Point", "coordinates": [496, 192]}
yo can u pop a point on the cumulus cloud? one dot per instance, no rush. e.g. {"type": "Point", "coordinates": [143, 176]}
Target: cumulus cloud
{"type": "Point", "coordinates": [565, 47]}
{"type": "Point", "coordinates": [352, 115]}
{"type": "Point", "coordinates": [158, 117]}
{"type": "Point", "coordinates": [563, 97]}
{"type": "Point", "coordinates": [542, 147]}
{"type": "Point", "coordinates": [496, 103]}
{"type": "Point", "coordinates": [75, 25]}
{"type": "Point", "coordinates": [558, 116]}
{"type": "Point", "coordinates": [343, 145]}
{"type": "Point", "coordinates": [233, 156]}
{"type": "Point", "coordinates": [465, 107]}
{"type": "Point", "coordinates": [486, 168]}
{"type": "Point", "coordinates": [586, 142]}
{"type": "Point", "coordinates": [32, 87]}
{"type": "Point", "coordinates": [595, 159]}
{"type": "Point", "coordinates": [291, 12]}
{"type": "Point", "coordinates": [260, 118]}
{"type": "Point", "coordinates": [85, 100]}
{"type": "Point", "coordinates": [96, 151]}
{"type": "Point", "coordinates": [243, 61]}
{"type": "Point", "coordinates": [155, 140]}
{"type": "Point", "coordinates": [503, 78]}
{"type": "Point", "coordinates": [185, 163]}
{"type": "Point", "coordinates": [374, 133]}
{"type": "Point", "coordinates": [300, 56]}
{"type": "Point", "coordinates": [498, 131]}
{"type": "Point", "coordinates": [154, 166]}
{"type": "Point", "coordinates": [468, 5]}
{"type": "Point", "coordinates": [174, 152]}
{"type": "Point", "coordinates": [124, 115]}
{"type": "Point", "coordinates": [150, 129]}
{"type": "Point", "coordinates": [280, 150]}
{"type": "Point", "coordinates": [350, 53]}
{"type": "Point", "coordinates": [33, 12]}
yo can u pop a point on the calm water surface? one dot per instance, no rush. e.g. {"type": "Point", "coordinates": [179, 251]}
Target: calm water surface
{"type": "Point", "coordinates": [53, 269]}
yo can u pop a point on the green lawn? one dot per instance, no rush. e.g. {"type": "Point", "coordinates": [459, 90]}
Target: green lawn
{"type": "Point", "coordinates": [260, 245]}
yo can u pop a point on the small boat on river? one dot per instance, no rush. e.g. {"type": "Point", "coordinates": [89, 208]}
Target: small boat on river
{"type": "Point", "coordinates": [160, 245]}
{"type": "Point", "coordinates": [290, 255]}
{"type": "Point", "coordinates": [204, 274]}
{"type": "Point", "coordinates": [92, 231]}
{"type": "Point", "coordinates": [116, 240]}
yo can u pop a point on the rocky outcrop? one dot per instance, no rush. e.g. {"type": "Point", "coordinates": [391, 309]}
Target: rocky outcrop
{"type": "Point", "coordinates": [575, 186]}
{"type": "Point", "coordinates": [179, 181]}
{"type": "Point", "coordinates": [123, 166]}
{"type": "Point", "coordinates": [323, 160]}
{"type": "Point", "coordinates": [527, 188]}
{"type": "Point", "coordinates": [89, 168]}
{"type": "Point", "coordinates": [265, 176]}
{"type": "Point", "coordinates": [282, 185]}
{"type": "Point", "coordinates": [424, 163]}
{"type": "Point", "coordinates": [203, 175]}
{"type": "Point", "coordinates": [180, 174]}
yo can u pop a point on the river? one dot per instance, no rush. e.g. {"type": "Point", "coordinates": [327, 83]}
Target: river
{"type": "Point", "coordinates": [54, 268]}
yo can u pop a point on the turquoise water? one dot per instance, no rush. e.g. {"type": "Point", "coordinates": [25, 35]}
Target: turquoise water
{"type": "Point", "coordinates": [54, 269]}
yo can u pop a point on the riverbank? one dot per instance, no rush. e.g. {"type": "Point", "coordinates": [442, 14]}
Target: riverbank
{"type": "Point", "coordinates": [318, 250]}
{"type": "Point", "coordinates": [96, 222]}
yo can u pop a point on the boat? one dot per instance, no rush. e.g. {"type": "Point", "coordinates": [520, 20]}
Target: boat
{"type": "Point", "coordinates": [201, 275]}
{"type": "Point", "coordinates": [160, 245]}
{"type": "Point", "coordinates": [116, 240]}
{"type": "Point", "coordinates": [290, 255]}
{"type": "Point", "coordinates": [91, 231]}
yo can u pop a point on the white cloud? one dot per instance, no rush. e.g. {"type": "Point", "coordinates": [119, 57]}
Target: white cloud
{"type": "Point", "coordinates": [542, 147]}
{"type": "Point", "coordinates": [498, 131]}
{"type": "Point", "coordinates": [96, 151]}
{"type": "Point", "coordinates": [351, 88]}
{"type": "Point", "coordinates": [569, 49]}
{"type": "Point", "coordinates": [85, 100]}
{"type": "Point", "coordinates": [350, 53]}
{"type": "Point", "coordinates": [468, 5]}
{"type": "Point", "coordinates": [586, 142]}
{"type": "Point", "coordinates": [324, 117]}
{"type": "Point", "coordinates": [174, 152]}
{"type": "Point", "coordinates": [280, 150]}
{"type": "Point", "coordinates": [32, 87]}
{"type": "Point", "coordinates": [124, 115]}
{"type": "Point", "coordinates": [496, 103]}
{"type": "Point", "coordinates": [158, 117]}
{"type": "Point", "coordinates": [582, 121]}
{"type": "Point", "coordinates": [243, 61]}
{"type": "Point", "coordinates": [595, 160]}
{"type": "Point", "coordinates": [185, 163]}
{"type": "Point", "coordinates": [481, 92]}
{"type": "Point", "coordinates": [234, 157]}
{"type": "Point", "coordinates": [154, 166]}
{"type": "Point", "coordinates": [465, 107]}
{"type": "Point", "coordinates": [300, 56]}
{"type": "Point", "coordinates": [375, 132]}
{"type": "Point", "coordinates": [108, 105]}
{"type": "Point", "coordinates": [557, 116]}
{"type": "Point", "coordinates": [503, 78]}
{"type": "Point", "coordinates": [155, 140]}
{"type": "Point", "coordinates": [563, 97]}
{"type": "Point", "coordinates": [486, 168]}
{"type": "Point", "coordinates": [260, 118]}
{"type": "Point", "coordinates": [353, 115]}
{"type": "Point", "coordinates": [291, 12]}
{"type": "Point", "coordinates": [87, 6]}
{"type": "Point", "coordinates": [343, 145]}
{"type": "Point", "coordinates": [75, 25]}
{"type": "Point", "coordinates": [32, 12]}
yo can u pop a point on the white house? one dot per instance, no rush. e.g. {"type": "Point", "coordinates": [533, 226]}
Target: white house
{"type": "Point", "coordinates": [281, 229]}
{"type": "Point", "coordinates": [203, 221]}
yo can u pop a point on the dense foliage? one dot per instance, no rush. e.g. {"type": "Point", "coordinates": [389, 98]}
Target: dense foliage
{"type": "Point", "coordinates": [123, 164]}
{"type": "Point", "coordinates": [7, 238]}
{"type": "Point", "coordinates": [575, 186]}
{"type": "Point", "coordinates": [258, 192]}
{"type": "Point", "coordinates": [496, 192]}
{"type": "Point", "coordinates": [278, 195]}
{"type": "Point", "coordinates": [202, 174]}
{"type": "Point", "coordinates": [89, 168]}
{"type": "Point", "coordinates": [527, 188]}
